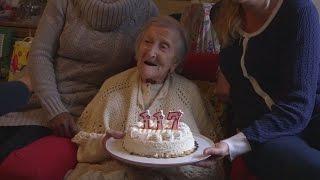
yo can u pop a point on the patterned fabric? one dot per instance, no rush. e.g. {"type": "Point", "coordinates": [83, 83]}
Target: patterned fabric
{"type": "Point", "coordinates": [196, 20]}
{"type": "Point", "coordinates": [217, 111]}
{"type": "Point", "coordinates": [69, 59]}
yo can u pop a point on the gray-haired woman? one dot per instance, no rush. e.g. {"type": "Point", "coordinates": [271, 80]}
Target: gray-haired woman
{"type": "Point", "coordinates": [152, 85]}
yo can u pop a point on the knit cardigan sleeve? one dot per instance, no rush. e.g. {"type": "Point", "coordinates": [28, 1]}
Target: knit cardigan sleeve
{"type": "Point", "coordinates": [290, 114]}
{"type": "Point", "coordinates": [42, 55]}
{"type": "Point", "coordinates": [90, 138]}
{"type": "Point", "coordinates": [95, 119]}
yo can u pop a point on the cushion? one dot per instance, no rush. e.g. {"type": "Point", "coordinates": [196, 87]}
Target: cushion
{"type": "Point", "coordinates": [201, 66]}
{"type": "Point", "coordinates": [240, 171]}
{"type": "Point", "coordinates": [48, 158]}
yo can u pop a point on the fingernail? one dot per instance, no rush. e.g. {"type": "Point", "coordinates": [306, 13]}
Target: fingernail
{"type": "Point", "coordinates": [205, 153]}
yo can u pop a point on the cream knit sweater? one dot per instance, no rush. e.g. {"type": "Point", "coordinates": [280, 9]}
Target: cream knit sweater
{"type": "Point", "coordinates": [79, 44]}
{"type": "Point", "coordinates": [118, 105]}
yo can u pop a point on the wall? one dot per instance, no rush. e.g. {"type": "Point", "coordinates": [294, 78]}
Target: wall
{"type": "Point", "coordinates": [167, 7]}
{"type": "Point", "coordinates": [176, 6]}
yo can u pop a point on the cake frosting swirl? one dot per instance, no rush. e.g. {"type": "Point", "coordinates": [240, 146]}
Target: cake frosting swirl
{"type": "Point", "coordinates": [159, 143]}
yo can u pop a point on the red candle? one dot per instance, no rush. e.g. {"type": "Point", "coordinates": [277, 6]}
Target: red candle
{"type": "Point", "coordinates": [159, 116]}
{"type": "Point", "coordinates": [146, 119]}
{"type": "Point", "coordinates": [175, 117]}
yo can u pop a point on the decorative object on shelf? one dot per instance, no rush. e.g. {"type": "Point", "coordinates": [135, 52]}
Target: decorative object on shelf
{"type": "Point", "coordinates": [196, 19]}
{"type": "Point", "coordinates": [29, 9]}
{"type": "Point", "coordinates": [7, 8]}
{"type": "Point", "coordinates": [19, 58]}
{"type": "Point", "coordinates": [5, 46]}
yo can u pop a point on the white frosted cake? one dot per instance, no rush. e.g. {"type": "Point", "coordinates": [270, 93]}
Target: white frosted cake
{"type": "Point", "coordinates": [159, 143]}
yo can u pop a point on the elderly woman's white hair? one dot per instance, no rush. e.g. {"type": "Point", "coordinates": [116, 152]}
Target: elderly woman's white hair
{"type": "Point", "coordinates": [170, 23]}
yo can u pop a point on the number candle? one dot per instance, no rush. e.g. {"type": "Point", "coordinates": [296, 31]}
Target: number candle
{"type": "Point", "coordinates": [175, 117]}
{"type": "Point", "coordinates": [159, 116]}
{"type": "Point", "coordinates": [146, 119]}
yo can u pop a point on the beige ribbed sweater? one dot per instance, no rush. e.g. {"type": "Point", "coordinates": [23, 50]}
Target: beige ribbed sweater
{"type": "Point", "coordinates": [79, 44]}
{"type": "Point", "coordinates": [117, 106]}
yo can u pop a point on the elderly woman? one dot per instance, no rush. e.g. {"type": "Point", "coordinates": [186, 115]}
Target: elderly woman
{"type": "Point", "coordinates": [152, 85]}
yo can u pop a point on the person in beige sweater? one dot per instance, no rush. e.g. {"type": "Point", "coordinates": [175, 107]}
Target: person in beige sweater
{"type": "Point", "coordinates": [152, 85]}
{"type": "Point", "coordinates": [78, 44]}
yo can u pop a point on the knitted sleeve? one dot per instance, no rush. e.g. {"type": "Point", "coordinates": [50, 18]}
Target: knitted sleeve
{"type": "Point", "coordinates": [290, 114]}
{"type": "Point", "coordinates": [108, 104]}
{"type": "Point", "coordinates": [93, 117]}
{"type": "Point", "coordinates": [42, 54]}
{"type": "Point", "coordinates": [91, 149]}
{"type": "Point", "coordinates": [96, 118]}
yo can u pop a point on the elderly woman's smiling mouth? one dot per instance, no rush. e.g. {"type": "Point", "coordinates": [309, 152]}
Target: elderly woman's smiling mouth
{"type": "Point", "coordinates": [149, 63]}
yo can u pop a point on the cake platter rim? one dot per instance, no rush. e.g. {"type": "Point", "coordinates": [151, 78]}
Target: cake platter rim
{"type": "Point", "coordinates": [116, 150]}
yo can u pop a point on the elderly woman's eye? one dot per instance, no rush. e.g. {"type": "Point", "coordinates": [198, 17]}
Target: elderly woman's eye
{"type": "Point", "coordinates": [164, 47]}
{"type": "Point", "coordinates": [147, 41]}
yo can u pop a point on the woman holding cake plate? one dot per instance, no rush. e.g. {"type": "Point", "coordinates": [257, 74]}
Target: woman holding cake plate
{"type": "Point", "coordinates": [269, 68]}
{"type": "Point", "coordinates": [152, 88]}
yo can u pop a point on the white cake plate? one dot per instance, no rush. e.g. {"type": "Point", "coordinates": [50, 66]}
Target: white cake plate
{"type": "Point", "coordinates": [115, 148]}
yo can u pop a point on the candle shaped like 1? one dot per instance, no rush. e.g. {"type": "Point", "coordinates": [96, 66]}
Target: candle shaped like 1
{"type": "Point", "coordinates": [146, 119]}
{"type": "Point", "coordinates": [160, 117]}
{"type": "Point", "coordinates": [175, 117]}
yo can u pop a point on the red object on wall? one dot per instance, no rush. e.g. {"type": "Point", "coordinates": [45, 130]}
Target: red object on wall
{"type": "Point", "coordinates": [201, 66]}
{"type": "Point", "coordinates": [48, 158]}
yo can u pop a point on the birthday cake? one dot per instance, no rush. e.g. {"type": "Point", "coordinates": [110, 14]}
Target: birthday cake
{"type": "Point", "coordinates": [159, 138]}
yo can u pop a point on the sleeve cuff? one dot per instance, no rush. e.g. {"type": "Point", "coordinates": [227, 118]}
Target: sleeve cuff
{"type": "Point", "coordinates": [238, 144]}
{"type": "Point", "coordinates": [91, 149]}
{"type": "Point", "coordinates": [54, 106]}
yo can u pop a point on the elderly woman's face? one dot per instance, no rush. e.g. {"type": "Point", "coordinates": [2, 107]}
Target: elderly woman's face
{"type": "Point", "coordinates": [156, 54]}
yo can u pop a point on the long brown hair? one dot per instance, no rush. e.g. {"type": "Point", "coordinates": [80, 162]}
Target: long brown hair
{"type": "Point", "coordinates": [227, 22]}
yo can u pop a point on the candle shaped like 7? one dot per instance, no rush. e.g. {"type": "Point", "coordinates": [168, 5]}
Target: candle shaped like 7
{"type": "Point", "coordinates": [146, 119]}
{"type": "Point", "coordinates": [175, 117]}
{"type": "Point", "coordinates": [159, 117]}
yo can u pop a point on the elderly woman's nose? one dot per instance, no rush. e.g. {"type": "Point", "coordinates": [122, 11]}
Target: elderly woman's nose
{"type": "Point", "coordinates": [152, 51]}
